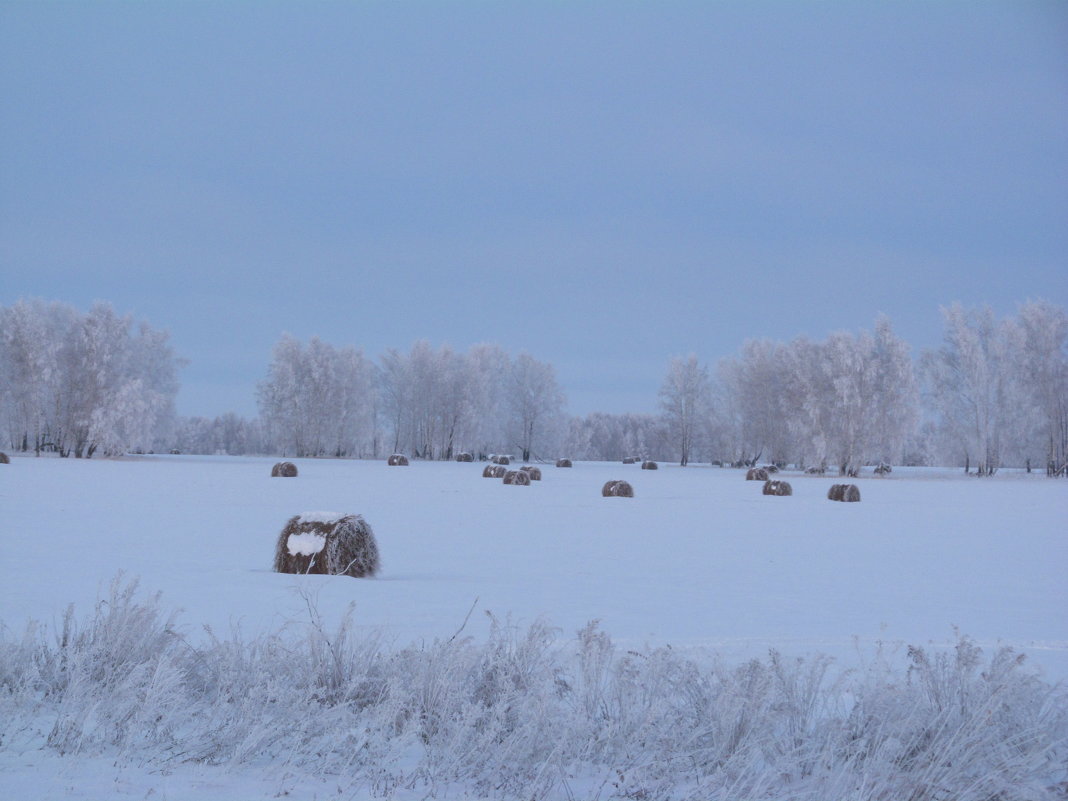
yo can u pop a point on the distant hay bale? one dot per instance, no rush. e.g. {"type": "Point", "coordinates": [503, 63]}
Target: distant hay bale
{"type": "Point", "coordinates": [848, 493]}
{"type": "Point", "coordinates": [4, 458]}
{"type": "Point", "coordinates": [771, 468]}
{"type": "Point", "coordinates": [756, 474]}
{"type": "Point", "coordinates": [778, 488]}
{"type": "Point", "coordinates": [397, 460]}
{"type": "Point", "coordinates": [501, 459]}
{"type": "Point", "coordinates": [284, 470]}
{"type": "Point", "coordinates": [533, 472]}
{"type": "Point", "coordinates": [815, 471]}
{"type": "Point", "coordinates": [883, 469]}
{"type": "Point", "coordinates": [328, 544]}
{"type": "Point", "coordinates": [617, 489]}
{"type": "Point", "coordinates": [650, 465]}
{"type": "Point", "coordinates": [520, 478]}
{"type": "Point", "coordinates": [563, 463]}
{"type": "Point", "coordinates": [464, 456]}
{"type": "Point", "coordinates": [630, 460]}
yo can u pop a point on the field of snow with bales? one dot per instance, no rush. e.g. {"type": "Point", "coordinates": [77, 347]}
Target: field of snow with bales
{"type": "Point", "coordinates": [698, 640]}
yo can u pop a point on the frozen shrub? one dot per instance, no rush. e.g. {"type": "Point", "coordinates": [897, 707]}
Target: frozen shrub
{"type": "Point", "coordinates": [327, 543]}
{"type": "Point", "coordinates": [617, 489]}
{"type": "Point", "coordinates": [284, 470]}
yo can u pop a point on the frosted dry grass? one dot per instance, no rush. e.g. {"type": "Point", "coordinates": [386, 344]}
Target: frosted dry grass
{"type": "Point", "coordinates": [527, 714]}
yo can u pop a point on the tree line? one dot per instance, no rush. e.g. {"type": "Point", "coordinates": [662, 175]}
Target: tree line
{"type": "Point", "coordinates": [994, 392]}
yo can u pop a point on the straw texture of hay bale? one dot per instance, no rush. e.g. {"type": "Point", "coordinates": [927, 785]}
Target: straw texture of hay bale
{"type": "Point", "coordinates": [4, 458]}
{"type": "Point", "coordinates": [284, 470]}
{"type": "Point", "coordinates": [520, 478]}
{"type": "Point", "coordinates": [533, 472]}
{"type": "Point", "coordinates": [756, 474]}
{"type": "Point", "coordinates": [848, 493]}
{"type": "Point", "coordinates": [328, 544]}
{"type": "Point", "coordinates": [778, 488]}
{"type": "Point", "coordinates": [617, 489]}
{"type": "Point", "coordinates": [650, 465]}
{"type": "Point", "coordinates": [464, 456]}
{"type": "Point", "coordinates": [563, 463]}
{"type": "Point", "coordinates": [397, 460]}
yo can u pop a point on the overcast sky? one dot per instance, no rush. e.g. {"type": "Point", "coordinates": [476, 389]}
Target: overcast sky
{"type": "Point", "coordinates": [602, 185]}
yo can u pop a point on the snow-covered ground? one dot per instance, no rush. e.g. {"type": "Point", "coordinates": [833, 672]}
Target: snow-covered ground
{"type": "Point", "coordinates": [699, 560]}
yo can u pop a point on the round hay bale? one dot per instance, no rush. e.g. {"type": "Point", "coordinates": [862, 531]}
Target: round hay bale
{"type": "Point", "coordinates": [630, 460]}
{"type": "Point", "coordinates": [815, 471]}
{"type": "Point", "coordinates": [848, 493]}
{"type": "Point", "coordinates": [563, 463]}
{"type": "Point", "coordinates": [533, 472]}
{"type": "Point", "coordinates": [284, 470]}
{"type": "Point", "coordinates": [464, 456]}
{"type": "Point", "coordinates": [498, 470]}
{"type": "Point", "coordinates": [4, 459]}
{"type": "Point", "coordinates": [650, 465]}
{"type": "Point", "coordinates": [489, 470]}
{"type": "Point", "coordinates": [520, 478]}
{"type": "Point", "coordinates": [771, 468]}
{"type": "Point", "coordinates": [883, 469]}
{"type": "Point", "coordinates": [501, 459]}
{"type": "Point", "coordinates": [397, 460]}
{"type": "Point", "coordinates": [756, 474]}
{"type": "Point", "coordinates": [778, 488]}
{"type": "Point", "coordinates": [327, 543]}
{"type": "Point", "coordinates": [617, 489]}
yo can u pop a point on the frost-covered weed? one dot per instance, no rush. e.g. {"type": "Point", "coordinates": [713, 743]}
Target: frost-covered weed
{"type": "Point", "coordinates": [530, 715]}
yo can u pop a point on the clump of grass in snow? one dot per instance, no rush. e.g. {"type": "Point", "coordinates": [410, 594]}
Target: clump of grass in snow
{"type": "Point", "coordinates": [529, 714]}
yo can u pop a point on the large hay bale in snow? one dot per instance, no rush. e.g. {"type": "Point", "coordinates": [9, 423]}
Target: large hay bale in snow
{"type": "Point", "coordinates": [4, 458]}
{"type": "Point", "coordinates": [617, 489]}
{"type": "Point", "coordinates": [284, 470]}
{"type": "Point", "coordinates": [464, 456]}
{"type": "Point", "coordinates": [397, 460]}
{"type": "Point", "coordinates": [778, 488]}
{"type": "Point", "coordinates": [327, 543]}
{"type": "Point", "coordinates": [520, 478]}
{"type": "Point", "coordinates": [650, 465]}
{"type": "Point", "coordinates": [756, 474]}
{"type": "Point", "coordinates": [533, 472]}
{"type": "Point", "coordinates": [563, 463]}
{"type": "Point", "coordinates": [848, 493]}
{"type": "Point", "coordinates": [494, 471]}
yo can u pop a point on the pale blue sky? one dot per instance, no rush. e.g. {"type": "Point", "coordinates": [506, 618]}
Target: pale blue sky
{"type": "Point", "coordinates": [603, 185]}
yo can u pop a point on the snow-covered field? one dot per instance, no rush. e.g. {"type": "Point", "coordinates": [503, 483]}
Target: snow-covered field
{"type": "Point", "coordinates": [698, 560]}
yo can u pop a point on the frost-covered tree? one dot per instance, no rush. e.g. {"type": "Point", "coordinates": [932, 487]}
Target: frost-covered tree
{"type": "Point", "coordinates": [970, 385]}
{"type": "Point", "coordinates": [685, 399]}
{"type": "Point", "coordinates": [536, 405]}
{"type": "Point", "coordinates": [1041, 335]}
{"type": "Point", "coordinates": [83, 384]}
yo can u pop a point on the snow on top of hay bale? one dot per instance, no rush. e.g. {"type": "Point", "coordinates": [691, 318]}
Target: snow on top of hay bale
{"type": "Point", "coordinates": [320, 517]}
{"type": "Point", "coordinates": [305, 544]}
